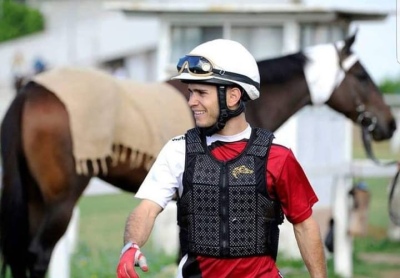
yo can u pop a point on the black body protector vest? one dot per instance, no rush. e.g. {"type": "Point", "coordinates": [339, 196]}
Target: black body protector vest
{"type": "Point", "coordinates": [225, 210]}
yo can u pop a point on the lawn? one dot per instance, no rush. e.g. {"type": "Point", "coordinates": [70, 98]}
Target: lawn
{"type": "Point", "coordinates": [100, 238]}
{"type": "Point", "coordinates": [103, 219]}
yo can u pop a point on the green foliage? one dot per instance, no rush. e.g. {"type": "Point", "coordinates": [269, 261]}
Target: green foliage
{"type": "Point", "coordinates": [390, 86]}
{"type": "Point", "coordinates": [17, 20]}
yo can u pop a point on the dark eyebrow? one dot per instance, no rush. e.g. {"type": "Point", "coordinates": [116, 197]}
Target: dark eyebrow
{"type": "Point", "coordinates": [198, 91]}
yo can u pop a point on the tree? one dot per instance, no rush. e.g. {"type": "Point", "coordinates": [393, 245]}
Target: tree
{"type": "Point", "coordinates": [390, 85]}
{"type": "Point", "coordinates": [17, 20]}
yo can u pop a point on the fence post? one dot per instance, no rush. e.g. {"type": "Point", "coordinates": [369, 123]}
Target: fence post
{"type": "Point", "coordinates": [61, 258]}
{"type": "Point", "coordinates": [343, 242]}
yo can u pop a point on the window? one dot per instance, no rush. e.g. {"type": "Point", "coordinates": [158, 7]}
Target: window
{"type": "Point", "coordinates": [263, 42]}
{"type": "Point", "coordinates": [317, 33]}
{"type": "Point", "coordinates": [184, 39]}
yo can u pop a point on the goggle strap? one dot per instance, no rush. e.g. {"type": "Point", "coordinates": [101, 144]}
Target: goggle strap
{"type": "Point", "coordinates": [237, 77]}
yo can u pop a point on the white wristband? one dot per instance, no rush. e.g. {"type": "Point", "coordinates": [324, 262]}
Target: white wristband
{"type": "Point", "coordinates": [129, 245]}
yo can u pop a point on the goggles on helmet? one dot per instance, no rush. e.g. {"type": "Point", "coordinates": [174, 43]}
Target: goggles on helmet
{"type": "Point", "coordinates": [201, 66]}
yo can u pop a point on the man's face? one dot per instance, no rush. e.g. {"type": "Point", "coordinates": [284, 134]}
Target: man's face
{"type": "Point", "coordinates": [204, 103]}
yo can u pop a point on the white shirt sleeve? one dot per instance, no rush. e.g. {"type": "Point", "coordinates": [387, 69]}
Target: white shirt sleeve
{"type": "Point", "coordinates": [165, 176]}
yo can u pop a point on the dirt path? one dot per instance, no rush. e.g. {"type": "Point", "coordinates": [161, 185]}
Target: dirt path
{"type": "Point", "coordinates": [389, 259]}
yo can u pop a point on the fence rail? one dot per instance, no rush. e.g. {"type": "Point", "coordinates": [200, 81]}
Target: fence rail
{"type": "Point", "coordinates": [392, 100]}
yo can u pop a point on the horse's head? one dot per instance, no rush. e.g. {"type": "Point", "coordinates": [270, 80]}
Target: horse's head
{"type": "Point", "coordinates": [336, 77]}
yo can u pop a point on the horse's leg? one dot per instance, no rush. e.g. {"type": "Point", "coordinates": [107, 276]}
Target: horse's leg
{"type": "Point", "coordinates": [55, 218]}
{"type": "Point", "coordinates": [47, 145]}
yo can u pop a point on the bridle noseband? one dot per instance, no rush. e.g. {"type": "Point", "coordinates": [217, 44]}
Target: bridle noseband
{"type": "Point", "coordinates": [365, 118]}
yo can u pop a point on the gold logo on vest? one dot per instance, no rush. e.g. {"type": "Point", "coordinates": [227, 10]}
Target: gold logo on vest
{"type": "Point", "coordinates": [241, 170]}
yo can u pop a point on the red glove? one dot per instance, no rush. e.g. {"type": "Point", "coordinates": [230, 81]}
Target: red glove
{"type": "Point", "coordinates": [131, 257]}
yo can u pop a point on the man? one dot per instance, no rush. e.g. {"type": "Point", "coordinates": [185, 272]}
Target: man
{"type": "Point", "coordinates": [233, 184]}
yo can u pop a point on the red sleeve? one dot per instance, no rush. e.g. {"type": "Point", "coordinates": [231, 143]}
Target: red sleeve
{"type": "Point", "coordinates": [288, 183]}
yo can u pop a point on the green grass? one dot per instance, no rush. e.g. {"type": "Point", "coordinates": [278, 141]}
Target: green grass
{"type": "Point", "coordinates": [103, 219]}
{"type": "Point", "coordinates": [102, 223]}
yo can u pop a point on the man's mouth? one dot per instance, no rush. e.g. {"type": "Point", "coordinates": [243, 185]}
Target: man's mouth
{"type": "Point", "coordinates": [198, 113]}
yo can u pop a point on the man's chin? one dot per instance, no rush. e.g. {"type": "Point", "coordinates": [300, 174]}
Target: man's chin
{"type": "Point", "coordinates": [203, 125]}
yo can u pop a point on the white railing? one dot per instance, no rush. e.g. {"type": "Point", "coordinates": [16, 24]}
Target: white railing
{"type": "Point", "coordinates": [343, 243]}
{"type": "Point", "coordinates": [61, 259]}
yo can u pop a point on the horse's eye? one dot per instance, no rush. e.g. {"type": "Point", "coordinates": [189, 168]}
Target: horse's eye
{"type": "Point", "coordinates": [362, 76]}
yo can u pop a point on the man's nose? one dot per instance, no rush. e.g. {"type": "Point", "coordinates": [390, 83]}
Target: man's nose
{"type": "Point", "coordinates": [192, 100]}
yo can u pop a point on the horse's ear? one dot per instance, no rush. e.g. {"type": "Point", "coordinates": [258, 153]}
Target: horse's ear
{"type": "Point", "coordinates": [349, 42]}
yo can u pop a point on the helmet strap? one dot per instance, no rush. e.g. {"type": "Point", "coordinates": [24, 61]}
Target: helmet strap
{"type": "Point", "coordinates": [224, 112]}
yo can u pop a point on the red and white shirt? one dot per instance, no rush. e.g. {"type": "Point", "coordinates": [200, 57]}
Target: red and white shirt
{"type": "Point", "coordinates": [286, 182]}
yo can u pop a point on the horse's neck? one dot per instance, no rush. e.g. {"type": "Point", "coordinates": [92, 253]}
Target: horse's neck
{"type": "Point", "coordinates": [277, 103]}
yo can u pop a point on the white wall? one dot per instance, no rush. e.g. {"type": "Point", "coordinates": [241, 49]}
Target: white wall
{"type": "Point", "coordinates": [325, 141]}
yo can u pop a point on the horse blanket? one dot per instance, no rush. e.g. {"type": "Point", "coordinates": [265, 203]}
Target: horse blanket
{"type": "Point", "coordinates": [108, 116]}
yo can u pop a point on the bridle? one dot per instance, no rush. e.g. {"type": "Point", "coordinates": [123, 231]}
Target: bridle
{"type": "Point", "coordinates": [365, 118]}
{"type": "Point", "coordinates": [368, 122]}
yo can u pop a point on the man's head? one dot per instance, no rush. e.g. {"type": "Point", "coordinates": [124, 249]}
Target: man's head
{"type": "Point", "coordinates": [227, 65]}
{"type": "Point", "coordinates": [205, 104]}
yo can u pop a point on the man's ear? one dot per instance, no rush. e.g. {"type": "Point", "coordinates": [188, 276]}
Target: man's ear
{"type": "Point", "coordinates": [233, 97]}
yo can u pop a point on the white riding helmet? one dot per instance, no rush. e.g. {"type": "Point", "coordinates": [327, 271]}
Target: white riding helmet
{"type": "Point", "coordinates": [221, 60]}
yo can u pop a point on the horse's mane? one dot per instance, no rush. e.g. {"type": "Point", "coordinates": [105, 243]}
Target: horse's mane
{"type": "Point", "coordinates": [280, 69]}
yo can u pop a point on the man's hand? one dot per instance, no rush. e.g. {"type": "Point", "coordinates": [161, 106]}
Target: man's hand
{"type": "Point", "coordinates": [131, 257]}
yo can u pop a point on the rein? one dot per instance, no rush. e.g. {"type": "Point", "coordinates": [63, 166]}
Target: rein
{"type": "Point", "coordinates": [366, 138]}
{"type": "Point", "coordinates": [395, 218]}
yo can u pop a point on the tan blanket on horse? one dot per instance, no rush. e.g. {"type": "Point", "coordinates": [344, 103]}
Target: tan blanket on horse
{"type": "Point", "coordinates": [106, 112]}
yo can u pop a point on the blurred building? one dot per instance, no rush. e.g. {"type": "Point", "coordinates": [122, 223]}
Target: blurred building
{"type": "Point", "coordinates": [97, 33]}
{"type": "Point", "coordinates": [81, 32]}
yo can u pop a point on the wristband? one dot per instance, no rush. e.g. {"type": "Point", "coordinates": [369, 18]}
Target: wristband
{"type": "Point", "coordinates": [129, 245]}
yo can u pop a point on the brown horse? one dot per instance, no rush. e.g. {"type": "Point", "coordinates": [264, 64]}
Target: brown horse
{"type": "Point", "coordinates": [41, 185]}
